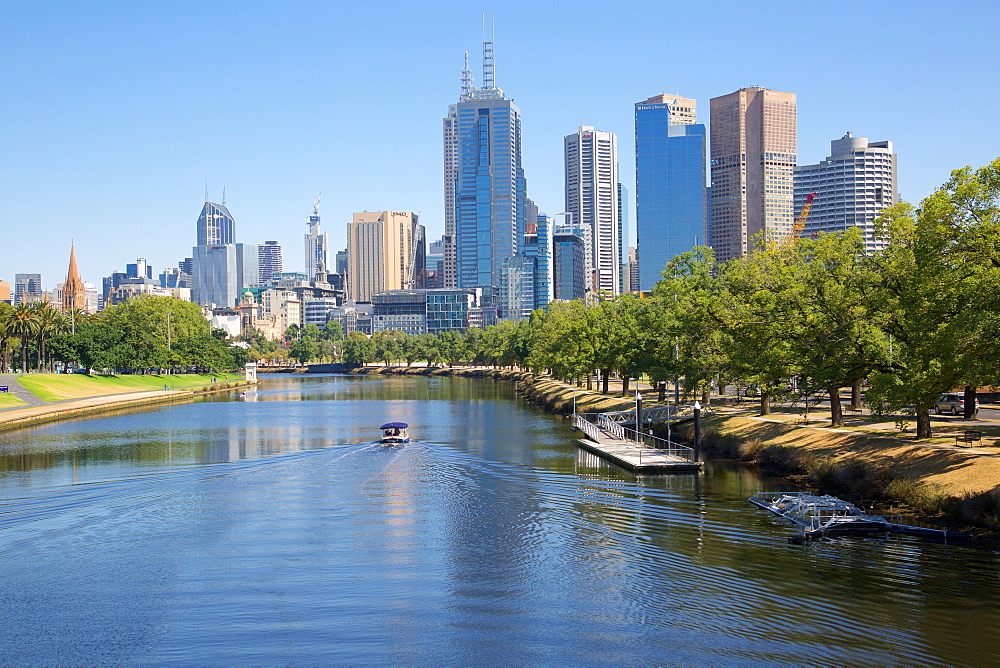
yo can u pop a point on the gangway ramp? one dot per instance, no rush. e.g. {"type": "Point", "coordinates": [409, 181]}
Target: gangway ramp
{"type": "Point", "coordinates": [632, 450]}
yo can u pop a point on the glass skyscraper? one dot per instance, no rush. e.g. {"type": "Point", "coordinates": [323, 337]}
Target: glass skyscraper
{"type": "Point", "coordinates": [671, 206]}
{"type": "Point", "coordinates": [484, 181]}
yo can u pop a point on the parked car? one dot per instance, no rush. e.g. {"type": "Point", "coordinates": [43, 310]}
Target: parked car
{"type": "Point", "coordinates": [954, 403]}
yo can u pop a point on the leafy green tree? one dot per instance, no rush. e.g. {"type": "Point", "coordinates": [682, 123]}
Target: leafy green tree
{"type": "Point", "coordinates": [937, 286]}
{"type": "Point", "coordinates": [358, 349]}
{"type": "Point", "coordinates": [305, 349]}
{"type": "Point", "coordinates": [332, 331]}
{"type": "Point", "coordinates": [6, 337]}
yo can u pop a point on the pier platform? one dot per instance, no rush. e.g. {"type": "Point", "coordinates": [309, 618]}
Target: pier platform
{"type": "Point", "coordinates": [613, 443]}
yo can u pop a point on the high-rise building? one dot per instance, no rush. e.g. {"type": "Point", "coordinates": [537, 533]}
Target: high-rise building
{"type": "Point", "coordinates": [591, 158]}
{"type": "Point", "coordinates": [623, 237]}
{"type": "Point", "coordinates": [5, 292]}
{"type": "Point", "coordinates": [270, 261]}
{"type": "Point", "coordinates": [316, 262]}
{"type": "Point", "coordinates": [27, 288]}
{"type": "Point", "coordinates": [484, 181]}
{"type": "Point", "coordinates": [853, 186]}
{"type": "Point", "coordinates": [215, 225]}
{"type": "Point", "coordinates": [73, 292]}
{"type": "Point", "coordinates": [570, 262]}
{"type": "Point", "coordinates": [670, 202]}
{"type": "Point", "coordinates": [215, 276]}
{"type": "Point", "coordinates": [139, 269]}
{"type": "Point", "coordinates": [247, 266]}
{"type": "Point", "coordinates": [382, 253]}
{"type": "Point", "coordinates": [753, 155]}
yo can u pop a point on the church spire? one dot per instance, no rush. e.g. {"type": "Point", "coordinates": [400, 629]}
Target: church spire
{"type": "Point", "coordinates": [73, 293]}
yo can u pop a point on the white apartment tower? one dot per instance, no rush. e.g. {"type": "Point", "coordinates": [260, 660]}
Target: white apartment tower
{"type": "Point", "coordinates": [316, 261]}
{"type": "Point", "coordinates": [592, 199]}
{"type": "Point", "coordinates": [853, 186]}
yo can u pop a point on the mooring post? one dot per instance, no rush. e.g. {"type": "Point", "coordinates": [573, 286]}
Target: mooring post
{"type": "Point", "coordinates": [638, 413]}
{"type": "Point", "coordinates": [697, 431]}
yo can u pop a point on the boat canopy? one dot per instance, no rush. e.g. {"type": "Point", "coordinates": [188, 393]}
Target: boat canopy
{"type": "Point", "coordinates": [394, 425]}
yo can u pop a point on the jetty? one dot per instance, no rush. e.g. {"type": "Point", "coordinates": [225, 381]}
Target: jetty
{"type": "Point", "coordinates": [818, 516]}
{"type": "Point", "coordinates": [607, 437]}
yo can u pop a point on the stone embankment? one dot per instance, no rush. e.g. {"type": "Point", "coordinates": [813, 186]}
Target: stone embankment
{"type": "Point", "coordinates": [59, 410]}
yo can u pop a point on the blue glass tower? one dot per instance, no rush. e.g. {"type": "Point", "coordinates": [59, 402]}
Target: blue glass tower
{"type": "Point", "coordinates": [671, 207]}
{"type": "Point", "coordinates": [484, 181]}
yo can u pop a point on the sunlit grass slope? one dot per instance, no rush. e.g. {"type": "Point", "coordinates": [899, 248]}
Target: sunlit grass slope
{"type": "Point", "coordinates": [54, 387]}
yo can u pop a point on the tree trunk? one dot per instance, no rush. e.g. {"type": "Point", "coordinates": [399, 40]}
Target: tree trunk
{"type": "Point", "coordinates": [856, 395]}
{"type": "Point", "coordinates": [706, 394]}
{"type": "Point", "coordinates": [662, 395]}
{"type": "Point", "coordinates": [970, 402]}
{"type": "Point", "coordinates": [923, 423]}
{"type": "Point", "coordinates": [722, 389]}
{"type": "Point", "coordinates": [765, 402]}
{"type": "Point", "coordinates": [624, 386]}
{"type": "Point", "coordinates": [605, 374]}
{"type": "Point", "coordinates": [836, 410]}
{"type": "Point", "coordinates": [590, 381]}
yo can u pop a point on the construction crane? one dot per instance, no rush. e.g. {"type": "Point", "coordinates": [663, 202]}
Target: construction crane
{"type": "Point", "coordinates": [800, 220]}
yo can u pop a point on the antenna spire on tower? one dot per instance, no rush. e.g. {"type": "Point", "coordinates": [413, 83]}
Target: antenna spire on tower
{"type": "Point", "coordinates": [223, 195]}
{"type": "Point", "coordinates": [488, 75]}
{"type": "Point", "coordinates": [206, 190]}
{"type": "Point", "coordinates": [466, 78]}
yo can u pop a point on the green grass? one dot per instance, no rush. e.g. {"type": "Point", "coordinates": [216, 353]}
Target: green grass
{"type": "Point", "coordinates": [9, 401]}
{"type": "Point", "coordinates": [55, 387]}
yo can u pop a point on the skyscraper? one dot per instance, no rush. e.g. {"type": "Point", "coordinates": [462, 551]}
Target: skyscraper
{"type": "Point", "coordinates": [214, 278]}
{"type": "Point", "coordinates": [591, 158]}
{"type": "Point", "coordinates": [270, 261]}
{"type": "Point", "coordinates": [27, 288]}
{"type": "Point", "coordinates": [215, 225]}
{"type": "Point", "coordinates": [484, 182]}
{"type": "Point", "coordinates": [670, 202]}
{"type": "Point", "coordinates": [753, 164]}
{"type": "Point", "coordinates": [316, 262]}
{"type": "Point", "coordinates": [382, 253]}
{"type": "Point", "coordinates": [855, 184]}
{"type": "Point", "coordinates": [73, 292]}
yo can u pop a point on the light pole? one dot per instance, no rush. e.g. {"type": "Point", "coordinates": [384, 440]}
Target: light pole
{"type": "Point", "coordinates": [697, 431]}
{"type": "Point", "coordinates": [576, 373]}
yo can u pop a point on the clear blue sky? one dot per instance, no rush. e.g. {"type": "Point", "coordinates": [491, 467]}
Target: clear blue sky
{"type": "Point", "coordinates": [115, 114]}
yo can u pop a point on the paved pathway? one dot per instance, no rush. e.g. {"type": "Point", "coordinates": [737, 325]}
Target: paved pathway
{"type": "Point", "coordinates": [19, 391]}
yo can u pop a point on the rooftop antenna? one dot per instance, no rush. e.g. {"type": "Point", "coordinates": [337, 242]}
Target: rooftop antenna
{"type": "Point", "coordinates": [316, 204]}
{"type": "Point", "coordinates": [206, 190]}
{"type": "Point", "coordinates": [466, 78]}
{"type": "Point", "coordinates": [223, 195]}
{"type": "Point", "coordinates": [488, 75]}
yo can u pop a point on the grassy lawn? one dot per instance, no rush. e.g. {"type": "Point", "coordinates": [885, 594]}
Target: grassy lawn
{"type": "Point", "coordinates": [9, 401]}
{"type": "Point", "coordinates": [54, 387]}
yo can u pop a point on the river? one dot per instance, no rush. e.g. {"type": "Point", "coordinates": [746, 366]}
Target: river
{"type": "Point", "coordinates": [270, 529]}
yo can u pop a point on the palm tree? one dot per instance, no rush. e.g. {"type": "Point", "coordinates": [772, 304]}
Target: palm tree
{"type": "Point", "coordinates": [50, 323]}
{"type": "Point", "coordinates": [23, 323]}
{"type": "Point", "coordinates": [6, 340]}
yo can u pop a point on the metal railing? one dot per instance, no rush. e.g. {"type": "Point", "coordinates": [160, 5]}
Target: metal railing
{"type": "Point", "coordinates": [650, 445]}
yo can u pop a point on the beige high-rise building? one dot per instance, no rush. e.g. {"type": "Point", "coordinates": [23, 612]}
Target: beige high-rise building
{"type": "Point", "coordinates": [753, 155]}
{"type": "Point", "coordinates": [382, 253]}
{"type": "Point", "coordinates": [4, 291]}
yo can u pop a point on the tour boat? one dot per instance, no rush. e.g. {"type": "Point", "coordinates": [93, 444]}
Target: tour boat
{"type": "Point", "coordinates": [394, 432]}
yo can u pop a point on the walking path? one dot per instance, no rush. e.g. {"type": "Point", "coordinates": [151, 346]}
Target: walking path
{"type": "Point", "coordinates": [18, 390]}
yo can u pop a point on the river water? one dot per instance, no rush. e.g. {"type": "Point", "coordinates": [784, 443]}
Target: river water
{"type": "Point", "coordinates": [272, 530]}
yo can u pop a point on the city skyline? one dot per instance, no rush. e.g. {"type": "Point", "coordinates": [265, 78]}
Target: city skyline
{"type": "Point", "coordinates": [85, 140]}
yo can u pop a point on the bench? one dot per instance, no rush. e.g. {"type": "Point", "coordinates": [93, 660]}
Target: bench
{"type": "Point", "coordinates": [969, 437]}
{"type": "Point", "coordinates": [847, 408]}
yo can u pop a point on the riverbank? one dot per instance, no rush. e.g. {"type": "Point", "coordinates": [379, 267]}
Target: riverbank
{"type": "Point", "coordinates": [869, 459]}
{"type": "Point", "coordinates": [49, 397]}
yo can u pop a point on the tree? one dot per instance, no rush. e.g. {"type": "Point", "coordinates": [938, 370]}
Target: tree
{"type": "Point", "coordinates": [358, 349]}
{"type": "Point", "coordinates": [6, 337]}
{"type": "Point", "coordinates": [332, 331]}
{"type": "Point", "coordinates": [23, 324]}
{"type": "Point", "coordinates": [937, 287]}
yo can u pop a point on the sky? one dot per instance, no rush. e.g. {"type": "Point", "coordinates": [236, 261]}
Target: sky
{"type": "Point", "coordinates": [116, 115]}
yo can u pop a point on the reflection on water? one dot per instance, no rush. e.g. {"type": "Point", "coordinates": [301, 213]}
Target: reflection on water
{"type": "Point", "coordinates": [271, 529]}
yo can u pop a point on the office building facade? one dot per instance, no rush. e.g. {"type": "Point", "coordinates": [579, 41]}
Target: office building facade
{"type": "Point", "coordinates": [753, 156]}
{"type": "Point", "coordinates": [382, 253]}
{"type": "Point", "coordinates": [853, 186]}
{"type": "Point", "coordinates": [215, 280]}
{"type": "Point", "coordinates": [27, 288]}
{"type": "Point", "coordinates": [591, 160]}
{"type": "Point", "coordinates": [216, 226]}
{"type": "Point", "coordinates": [670, 199]}
{"type": "Point", "coordinates": [484, 181]}
{"type": "Point", "coordinates": [270, 261]}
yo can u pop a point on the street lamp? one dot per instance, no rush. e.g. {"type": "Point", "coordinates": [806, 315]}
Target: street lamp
{"type": "Point", "coordinates": [576, 372]}
{"type": "Point", "coordinates": [697, 431]}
